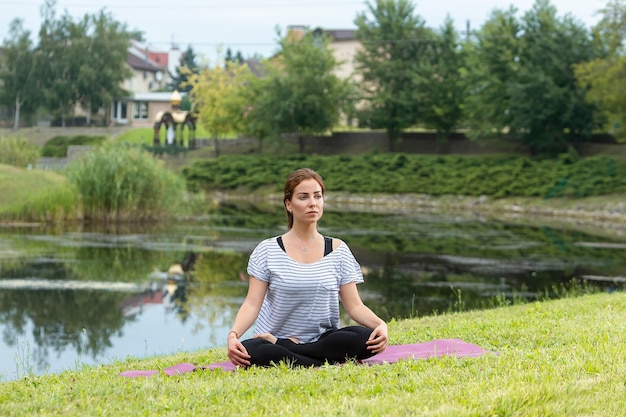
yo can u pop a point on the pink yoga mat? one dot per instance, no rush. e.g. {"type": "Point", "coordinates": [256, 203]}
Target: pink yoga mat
{"type": "Point", "coordinates": [394, 353]}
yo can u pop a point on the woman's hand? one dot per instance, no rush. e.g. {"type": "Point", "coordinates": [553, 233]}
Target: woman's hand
{"type": "Point", "coordinates": [247, 314]}
{"type": "Point", "coordinates": [237, 353]}
{"type": "Point", "coordinates": [379, 339]}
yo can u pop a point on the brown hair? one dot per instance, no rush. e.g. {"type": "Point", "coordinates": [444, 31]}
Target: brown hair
{"type": "Point", "coordinates": [295, 178]}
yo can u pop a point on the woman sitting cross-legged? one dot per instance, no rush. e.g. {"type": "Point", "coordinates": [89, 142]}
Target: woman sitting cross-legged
{"type": "Point", "coordinates": [296, 281]}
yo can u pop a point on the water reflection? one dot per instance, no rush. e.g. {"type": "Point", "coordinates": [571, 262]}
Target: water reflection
{"type": "Point", "coordinates": [93, 295]}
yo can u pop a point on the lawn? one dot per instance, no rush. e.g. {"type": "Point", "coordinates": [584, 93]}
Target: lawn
{"type": "Point", "coordinates": [552, 358]}
{"type": "Point", "coordinates": [18, 184]}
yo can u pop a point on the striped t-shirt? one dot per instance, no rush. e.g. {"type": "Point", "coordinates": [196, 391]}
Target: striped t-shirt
{"type": "Point", "coordinates": [302, 299]}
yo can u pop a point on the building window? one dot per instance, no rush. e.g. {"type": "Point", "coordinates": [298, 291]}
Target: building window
{"type": "Point", "coordinates": [140, 110]}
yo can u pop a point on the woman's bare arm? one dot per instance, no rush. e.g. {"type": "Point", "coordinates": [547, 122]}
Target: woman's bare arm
{"type": "Point", "coordinates": [247, 314]}
{"type": "Point", "coordinates": [362, 314]}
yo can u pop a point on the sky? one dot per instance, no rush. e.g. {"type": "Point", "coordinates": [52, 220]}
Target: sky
{"type": "Point", "coordinates": [249, 26]}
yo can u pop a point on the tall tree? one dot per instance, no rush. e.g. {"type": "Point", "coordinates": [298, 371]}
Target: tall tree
{"type": "Point", "coordinates": [237, 58]}
{"type": "Point", "coordinates": [536, 96]}
{"type": "Point", "coordinates": [219, 103]}
{"type": "Point", "coordinates": [393, 40]}
{"type": "Point", "coordinates": [493, 62]}
{"type": "Point", "coordinates": [547, 102]}
{"type": "Point", "coordinates": [19, 86]}
{"type": "Point", "coordinates": [603, 76]}
{"type": "Point", "coordinates": [610, 31]}
{"type": "Point", "coordinates": [103, 62]}
{"type": "Point", "coordinates": [82, 61]}
{"type": "Point", "coordinates": [441, 83]}
{"type": "Point", "coordinates": [303, 91]}
{"type": "Point", "coordinates": [258, 113]}
{"type": "Point", "coordinates": [186, 67]}
{"type": "Point", "coordinates": [58, 63]}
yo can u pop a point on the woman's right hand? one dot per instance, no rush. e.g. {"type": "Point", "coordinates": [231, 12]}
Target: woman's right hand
{"type": "Point", "coordinates": [237, 353]}
{"type": "Point", "coordinates": [247, 314]}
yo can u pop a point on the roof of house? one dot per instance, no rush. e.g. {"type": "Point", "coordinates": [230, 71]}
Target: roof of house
{"type": "Point", "coordinates": [144, 63]}
{"type": "Point", "coordinates": [256, 67]}
{"type": "Point", "coordinates": [158, 58]}
{"type": "Point", "coordinates": [339, 35]}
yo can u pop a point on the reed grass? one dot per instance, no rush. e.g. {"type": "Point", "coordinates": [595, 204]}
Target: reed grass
{"type": "Point", "coordinates": [16, 151]}
{"type": "Point", "coordinates": [118, 182]}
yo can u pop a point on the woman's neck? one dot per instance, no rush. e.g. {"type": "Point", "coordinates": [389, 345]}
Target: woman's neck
{"type": "Point", "coordinates": [305, 238]}
{"type": "Point", "coordinates": [305, 233]}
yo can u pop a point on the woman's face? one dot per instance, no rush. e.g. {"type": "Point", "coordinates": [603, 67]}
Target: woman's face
{"type": "Point", "coordinates": [307, 202]}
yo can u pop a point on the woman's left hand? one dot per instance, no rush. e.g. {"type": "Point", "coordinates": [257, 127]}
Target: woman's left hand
{"type": "Point", "coordinates": [379, 339]}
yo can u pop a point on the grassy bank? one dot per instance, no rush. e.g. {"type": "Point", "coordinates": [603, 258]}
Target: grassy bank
{"type": "Point", "coordinates": [589, 188]}
{"type": "Point", "coordinates": [47, 189]}
{"type": "Point", "coordinates": [30, 195]}
{"type": "Point", "coordinates": [113, 182]}
{"type": "Point", "coordinates": [554, 358]}
{"type": "Point", "coordinates": [19, 184]}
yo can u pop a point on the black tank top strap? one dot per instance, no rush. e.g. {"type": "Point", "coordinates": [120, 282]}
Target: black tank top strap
{"type": "Point", "coordinates": [328, 245]}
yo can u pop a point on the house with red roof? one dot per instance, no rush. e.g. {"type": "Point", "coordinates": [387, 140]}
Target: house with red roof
{"type": "Point", "coordinates": [147, 87]}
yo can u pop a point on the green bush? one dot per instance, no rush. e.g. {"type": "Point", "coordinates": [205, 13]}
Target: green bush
{"type": "Point", "coordinates": [123, 183]}
{"type": "Point", "coordinates": [17, 152]}
{"type": "Point", "coordinates": [57, 146]}
{"type": "Point", "coordinates": [494, 176]}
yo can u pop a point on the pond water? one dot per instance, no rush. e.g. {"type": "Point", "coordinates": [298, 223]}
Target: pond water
{"type": "Point", "coordinates": [92, 295]}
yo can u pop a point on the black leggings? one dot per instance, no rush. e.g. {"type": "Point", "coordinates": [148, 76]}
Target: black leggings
{"type": "Point", "coordinates": [334, 346]}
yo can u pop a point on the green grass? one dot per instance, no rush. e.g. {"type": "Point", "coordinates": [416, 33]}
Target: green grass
{"type": "Point", "coordinates": [137, 136]}
{"type": "Point", "coordinates": [18, 184]}
{"type": "Point", "coordinates": [554, 358]}
{"type": "Point", "coordinates": [32, 195]}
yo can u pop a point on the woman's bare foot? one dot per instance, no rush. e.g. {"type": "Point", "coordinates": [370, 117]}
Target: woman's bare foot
{"type": "Point", "coordinates": [268, 336]}
{"type": "Point", "coordinates": [272, 339]}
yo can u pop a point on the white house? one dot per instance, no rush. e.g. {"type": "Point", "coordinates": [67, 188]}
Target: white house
{"type": "Point", "coordinates": [147, 86]}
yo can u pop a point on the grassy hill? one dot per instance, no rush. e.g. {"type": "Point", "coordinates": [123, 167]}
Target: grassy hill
{"type": "Point", "coordinates": [19, 184]}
